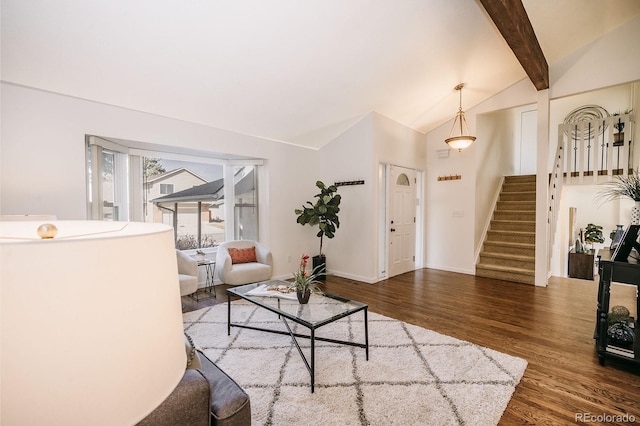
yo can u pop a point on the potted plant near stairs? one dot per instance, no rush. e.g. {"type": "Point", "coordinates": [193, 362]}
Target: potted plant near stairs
{"type": "Point", "coordinates": [324, 214]}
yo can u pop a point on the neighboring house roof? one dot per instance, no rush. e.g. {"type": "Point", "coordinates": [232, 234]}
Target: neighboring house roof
{"type": "Point", "coordinates": [170, 173]}
{"type": "Point", "coordinates": [208, 191]}
{"type": "Point", "coordinates": [212, 191]}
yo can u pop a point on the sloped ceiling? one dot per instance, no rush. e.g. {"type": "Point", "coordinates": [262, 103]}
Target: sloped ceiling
{"type": "Point", "coordinates": [293, 71]}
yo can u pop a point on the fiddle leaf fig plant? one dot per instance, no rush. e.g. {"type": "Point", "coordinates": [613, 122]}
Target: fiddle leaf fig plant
{"type": "Point", "coordinates": [323, 213]}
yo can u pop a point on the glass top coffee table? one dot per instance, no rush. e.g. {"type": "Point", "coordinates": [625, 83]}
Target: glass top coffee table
{"type": "Point", "coordinates": [321, 310]}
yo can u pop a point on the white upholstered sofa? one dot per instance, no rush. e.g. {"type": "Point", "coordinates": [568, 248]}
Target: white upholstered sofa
{"type": "Point", "coordinates": [236, 265]}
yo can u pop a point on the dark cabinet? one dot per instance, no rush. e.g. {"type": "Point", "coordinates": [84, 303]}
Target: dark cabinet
{"type": "Point", "coordinates": [581, 265]}
{"type": "Point", "coordinates": [621, 273]}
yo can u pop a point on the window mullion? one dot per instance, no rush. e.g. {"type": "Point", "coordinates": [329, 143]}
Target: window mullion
{"type": "Point", "coordinates": [229, 196]}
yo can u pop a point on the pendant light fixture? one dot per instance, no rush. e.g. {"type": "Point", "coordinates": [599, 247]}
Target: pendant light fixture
{"type": "Point", "coordinates": [463, 138]}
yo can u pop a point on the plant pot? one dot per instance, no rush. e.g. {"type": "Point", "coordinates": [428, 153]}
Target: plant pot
{"type": "Point", "coordinates": [317, 261]}
{"type": "Point", "coordinates": [303, 298]}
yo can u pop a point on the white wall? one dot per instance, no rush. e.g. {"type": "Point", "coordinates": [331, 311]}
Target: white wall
{"type": "Point", "coordinates": [608, 61]}
{"type": "Point", "coordinates": [589, 209]}
{"type": "Point", "coordinates": [355, 155]}
{"type": "Point", "coordinates": [43, 169]}
{"type": "Point", "coordinates": [454, 225]}
{"type": "Point", "coordinates": [42, 159]}
{"type": "Point", "coordinates": [494, 158]}
{"type": "Point", "coordinates": [451, 225]}
{"type": "Point", "coordinates": [350, 157]}
{"type": "Point", "coordinates": [450, 204]}
{"type": "Point", "coordinates": [43, 165]}
{"type": "Point", "coordinates": [401, 146]}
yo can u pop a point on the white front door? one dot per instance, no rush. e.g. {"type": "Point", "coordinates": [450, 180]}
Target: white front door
{"type": "Point", "coordinates": [402, 220]}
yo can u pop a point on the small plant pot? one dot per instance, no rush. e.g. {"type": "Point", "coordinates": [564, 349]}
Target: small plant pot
{"type": "Point", "coordinates": [303, 298]}
{"type": "Point", "coordinates": [317, 261]}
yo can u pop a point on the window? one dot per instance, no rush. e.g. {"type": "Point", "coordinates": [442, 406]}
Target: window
{"type": "Point", "coordinates": [195, 204]}
{"type": "Point", "coordinates": [106, 171]}
{"type": "Point", "coordinates": [166, 188]}
{"type": "Point", "coordinates": [188, 193]}
{"type": "Point", "coordinates": [402, 180]}
{"type": "Point", "coordinates": [245, 204]}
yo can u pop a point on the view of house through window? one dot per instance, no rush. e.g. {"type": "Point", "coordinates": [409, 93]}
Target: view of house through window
{"type": "Point", "coordinates": [188, 195]}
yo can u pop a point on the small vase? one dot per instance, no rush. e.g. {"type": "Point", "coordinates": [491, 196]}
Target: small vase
{"type": "Point", "coordinates": [616, 236]}
{"type": "Point", "coordinates": [303, 298]}
{"type": "Point", "coordinates": [635, 214]}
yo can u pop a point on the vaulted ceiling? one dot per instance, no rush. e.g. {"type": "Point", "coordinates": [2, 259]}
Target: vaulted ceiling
{"type": "Point", "coordinates": [288, 70]}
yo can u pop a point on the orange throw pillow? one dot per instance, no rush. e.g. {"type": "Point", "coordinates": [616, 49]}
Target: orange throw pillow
{"type": "Point", "coordinates": [244, 255]}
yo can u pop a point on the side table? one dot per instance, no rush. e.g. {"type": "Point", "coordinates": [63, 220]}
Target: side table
{"type": "Point", "coordinates": [581, 265]}
{"type": "Point", "coordinates": [209, 290]}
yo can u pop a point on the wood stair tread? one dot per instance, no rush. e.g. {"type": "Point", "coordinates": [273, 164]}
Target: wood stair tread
{"type": "Point", "coordinates": [514, 211]}
{"type": "Point", "coordinates": [517, 202]}
{"type": "Point", "coordinates": [506, 269]}
{"type": "Point", "coordinates": [528, 222]}
{"type": "Point", "coordinates": [500, 231]}
{"type": "Point", "coordinates": [519, 192]}
{"type": "Point", "coordinates": [510, 244]}
{"type": "Point", "coordinates": [507, 256]}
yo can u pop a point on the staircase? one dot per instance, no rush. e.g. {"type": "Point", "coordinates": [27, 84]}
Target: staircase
{"type": "Point", "coordinates": [508, 252]}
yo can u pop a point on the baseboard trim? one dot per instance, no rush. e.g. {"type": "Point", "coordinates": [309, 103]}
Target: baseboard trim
{"type": "Point", "coordinates": [450, 269]}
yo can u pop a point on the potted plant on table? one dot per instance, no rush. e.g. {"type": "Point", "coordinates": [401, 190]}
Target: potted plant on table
{"type": "Point", "coordinates": [593, 234]}
{"type": "Point", "coordinates": [324, 214]}
{"type": "Point", "coordinates": [305, 282]}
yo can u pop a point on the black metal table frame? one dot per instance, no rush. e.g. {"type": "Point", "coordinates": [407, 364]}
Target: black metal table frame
{"type": "Point", "coordinates": [312, 328]}
{"type": "Point", "coordinates": [210, 268]}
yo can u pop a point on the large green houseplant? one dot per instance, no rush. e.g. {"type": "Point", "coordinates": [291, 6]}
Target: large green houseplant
{"type": "Point", "coordinates": [624, 187]}
{"type": "Point", "coordinates": [323, 214]}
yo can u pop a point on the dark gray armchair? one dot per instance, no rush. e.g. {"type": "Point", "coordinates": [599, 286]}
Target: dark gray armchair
{"type": "Point", "coordinates": [206, 395]}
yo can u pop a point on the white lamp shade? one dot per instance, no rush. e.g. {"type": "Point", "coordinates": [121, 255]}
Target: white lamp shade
{"type": "Point", "coordinates": [460, 142]}
{"type": "Point", "coordinates": [91, 326]}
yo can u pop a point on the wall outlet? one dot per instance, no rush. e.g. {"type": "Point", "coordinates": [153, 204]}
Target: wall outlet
{"type": "Point", "coordinates": [289, 259]}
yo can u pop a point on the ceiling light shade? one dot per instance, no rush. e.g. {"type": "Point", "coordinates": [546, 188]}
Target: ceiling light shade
{"type": "Point", "coordinates": [91, 322]}
{"type": "Point", "coordinates": [459, 137]}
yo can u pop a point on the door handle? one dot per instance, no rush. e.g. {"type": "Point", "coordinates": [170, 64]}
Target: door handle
{"type": "Point", "coordinates": [393, 230]}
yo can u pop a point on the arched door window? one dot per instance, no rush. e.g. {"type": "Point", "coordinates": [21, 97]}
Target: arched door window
{"type": "Point", "coordinates": [402, 180]}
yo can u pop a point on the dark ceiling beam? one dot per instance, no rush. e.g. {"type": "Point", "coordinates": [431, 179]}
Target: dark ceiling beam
{"type": "Point", "coordinates": [513, 23]}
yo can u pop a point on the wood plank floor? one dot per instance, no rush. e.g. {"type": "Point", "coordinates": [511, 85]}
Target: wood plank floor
{"type": "Point", "coordinates": [552, 328]}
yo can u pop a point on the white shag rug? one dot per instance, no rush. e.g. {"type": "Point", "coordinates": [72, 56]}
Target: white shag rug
{"type": "Point", "coordinates": [414, 376]}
